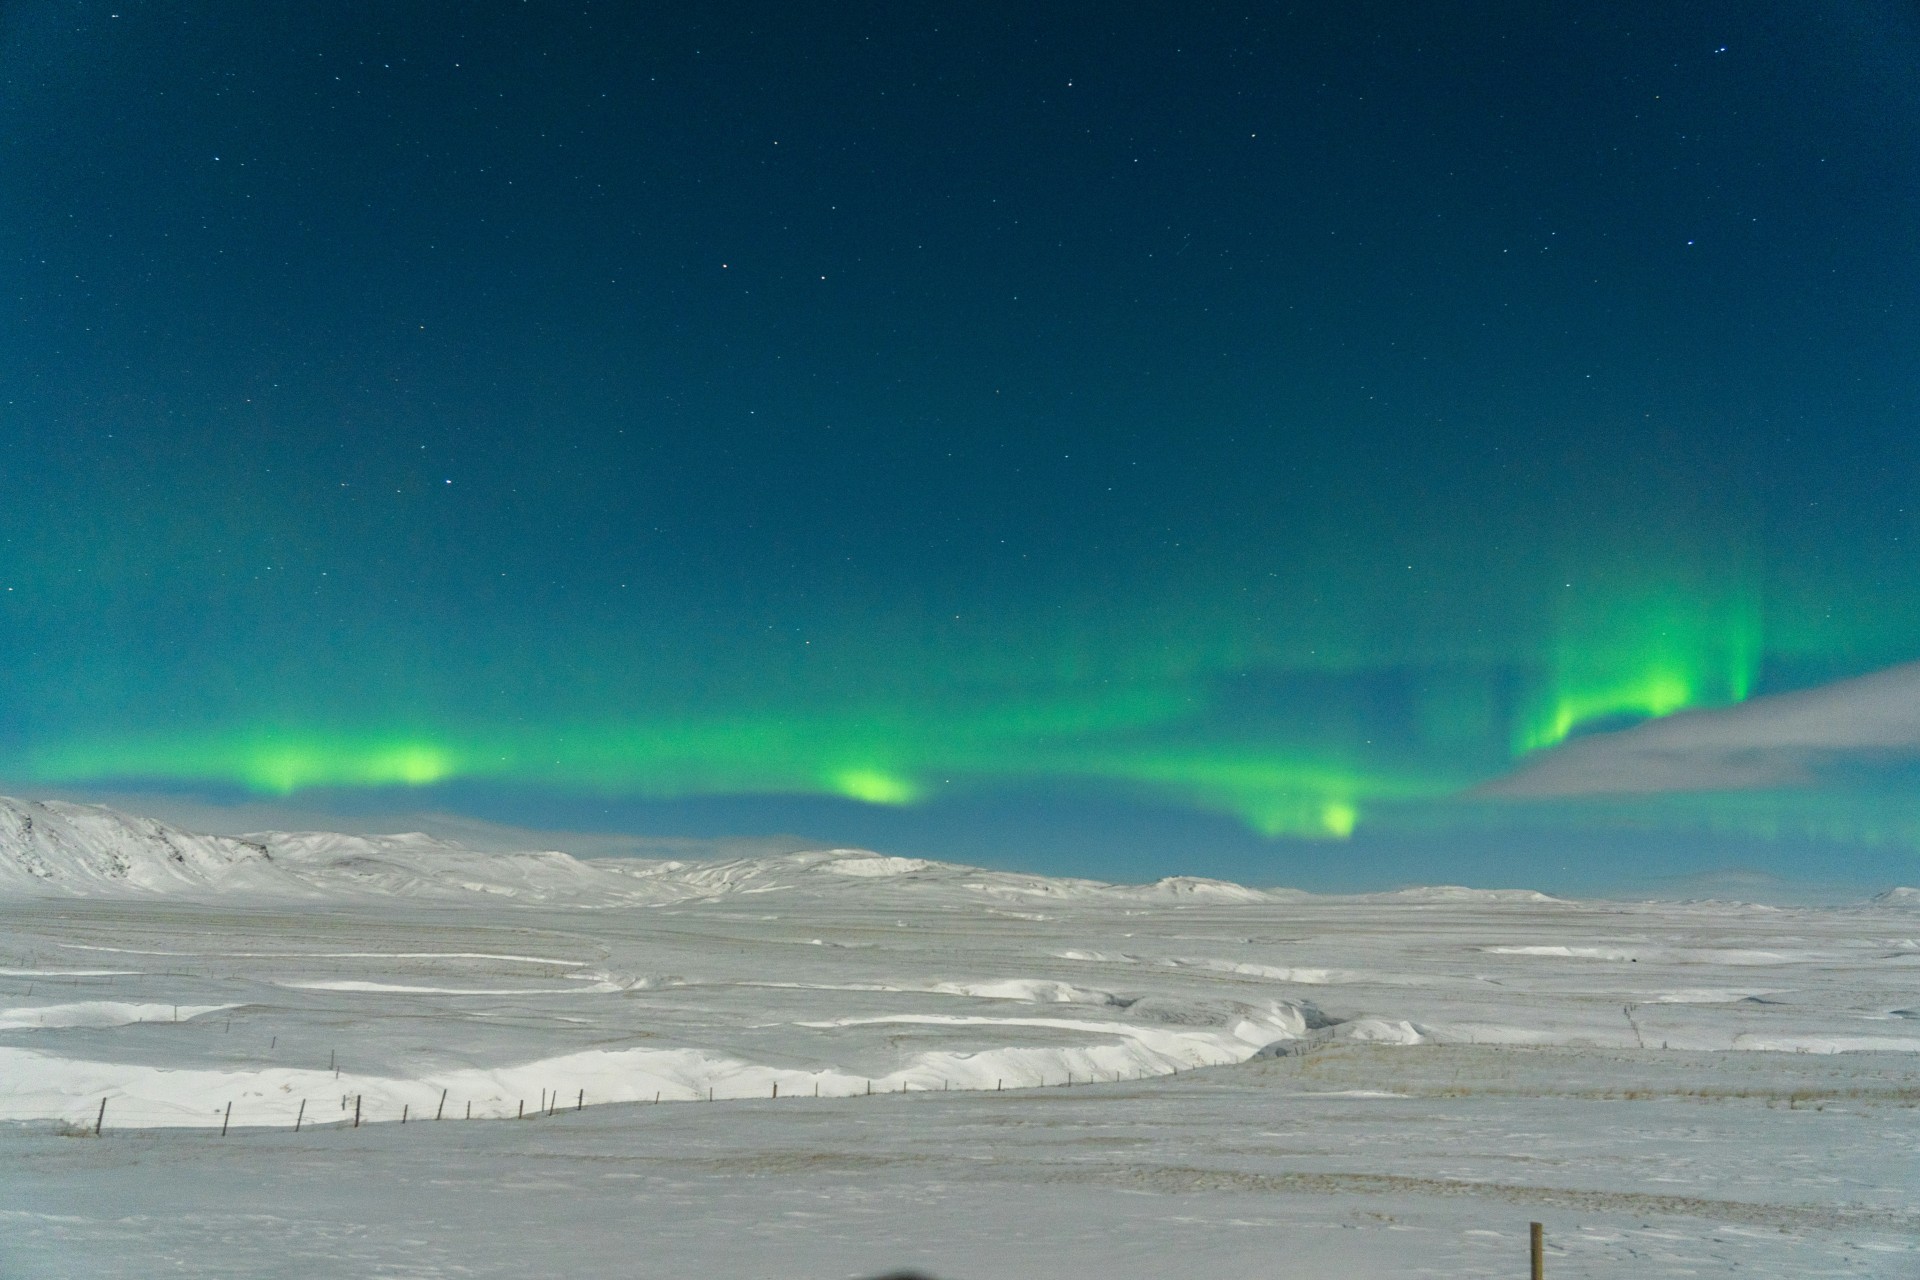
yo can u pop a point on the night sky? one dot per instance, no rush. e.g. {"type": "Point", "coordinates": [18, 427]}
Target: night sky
{"type": "Point", "coordinates": [1095, 438]}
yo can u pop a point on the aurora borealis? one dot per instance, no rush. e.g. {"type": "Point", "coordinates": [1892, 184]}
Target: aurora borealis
{"type": "Point", "coordinates": [1270, 422]}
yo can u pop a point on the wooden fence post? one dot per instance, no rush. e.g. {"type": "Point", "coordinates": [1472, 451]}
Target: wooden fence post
{"type": "Point", "coordinates": [356, 1111]}
{"type": "Point", "coordinates": [1537, 1249]}
{"type": "Point", "coordinates": [443, 1105]}
{"type": "Point", "coordinates": [226, 1120]}
{"type": "Point", "coordinates": [403, 1115]}
{"type": "Point", "coordinates": [580, 1103]}
{"type": "Point", "coordinates": [101, 1118]}
{"type": "Point", "coordinates": [302, 1116]}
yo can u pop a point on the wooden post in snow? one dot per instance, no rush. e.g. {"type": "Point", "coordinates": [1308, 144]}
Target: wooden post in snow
{"type": "Point", "coordinates": [226, 1120]}
{"type": "Point", "coordinates": [301, 1117]}
{"type": "Point", "coordinates": [403, 1115]}
{"type": "Point", "coordinates": [523, 1110]}
{"type": "Point", "coordinates": [100, 1119]}
{"type": "Point", "coordinates": [356, 1111]}
{"type": "Point", "coordinates": [469, 1110]}
{"type": "Point", "coordinates": [580, 1103]}
{"type": "Point", "coordinates": [776, 1088]}
{"type": "Point", "coordinates": [443, 1105]}
{"type": "Point", "coordinates": [1537, 1249]}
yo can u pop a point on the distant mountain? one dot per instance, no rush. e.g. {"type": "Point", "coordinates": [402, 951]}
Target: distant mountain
{"type": "Point", "coordinates": [61, 849]}
{"type": "Point", "coordinates": [56, 848]}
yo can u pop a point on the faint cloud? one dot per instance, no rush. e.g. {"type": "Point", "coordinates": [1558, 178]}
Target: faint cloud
{"type": "Point", "coordinates": [1784, 740]}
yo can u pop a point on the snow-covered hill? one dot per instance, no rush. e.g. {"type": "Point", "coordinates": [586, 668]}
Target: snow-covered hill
{"type": "Point", "coordinates": [58, 848]}
{"type": "Point", "coordinates": [54, 848]}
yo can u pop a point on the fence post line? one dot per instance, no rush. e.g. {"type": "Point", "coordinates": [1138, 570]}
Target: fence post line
{"type": "Point", "coordinates": [226, 1120]}
{"type": "Point", "coordinates": [469, 1110]}
{"type": "Point", "coordinates": [1537, 1250]}
{"type": "Point", "coordinates": [523, 1110]}
{"type": "Point", "coordinates": [443, 1105]}
{"type": "Point", "coordinates": [356, 1111]}
{"type": "Point", "coordinates": [403, 1115]}
{"type": "Point", "coordinates": [580, 1103]}
{"type": "Point", "coordinates": [302, 1116]}
{"type": "Point", "coordinates": [100, 1119]}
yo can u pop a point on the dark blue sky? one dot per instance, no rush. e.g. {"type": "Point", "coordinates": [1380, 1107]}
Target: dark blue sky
{"type": "Point", "coordinates": [1143, 440]}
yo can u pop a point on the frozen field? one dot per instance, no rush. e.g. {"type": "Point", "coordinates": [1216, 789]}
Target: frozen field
{"type": "Point", "coordinates": [1261, 1083]}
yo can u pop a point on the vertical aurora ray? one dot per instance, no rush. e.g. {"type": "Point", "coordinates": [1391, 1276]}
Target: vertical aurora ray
{"type": "Point", "coordinates": [1639, 649]}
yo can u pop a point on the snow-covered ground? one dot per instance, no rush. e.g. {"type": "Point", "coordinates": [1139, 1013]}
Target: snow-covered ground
{"type": "Point", "coordinates": [978, 1074]}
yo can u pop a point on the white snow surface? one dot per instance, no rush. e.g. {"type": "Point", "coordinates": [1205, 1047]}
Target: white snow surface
{"type": "Point", "coordinates": [900, 1062]}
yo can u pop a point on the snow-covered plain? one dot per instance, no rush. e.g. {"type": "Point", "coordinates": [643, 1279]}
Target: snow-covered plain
{"type": "Point", "coordinates": [837, 1063]}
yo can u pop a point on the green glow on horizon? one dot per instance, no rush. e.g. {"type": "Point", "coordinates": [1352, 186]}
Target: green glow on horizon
{"type": "Point", "coordinates": [268, 764]}
{"type": "Point", "coordinates": [1297, 794]}
{"type": "Point", "coordinates": [871, 786]}
{"type": "Point", "coordinates": [1289, 748]}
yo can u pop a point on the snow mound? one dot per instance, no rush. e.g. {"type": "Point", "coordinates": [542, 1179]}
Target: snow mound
{"type": "Point", "coordinates": [1200, 889]}
{"type": "Point", "coordinates": [413, 865]}
{"type": "Point", "coordinates": [1031, 990]}
{"type": "Point", "coordinates": [876, 865]}
{"type": "Point", "coordinates": [1902, 896]}
{"type": "Point", "coordinates": [1461, 893]}
{"type": "Point", "coordinates": [100, 1013]}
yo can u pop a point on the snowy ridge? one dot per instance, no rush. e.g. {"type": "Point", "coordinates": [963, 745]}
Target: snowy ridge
{"type": "Point", "coordinates": [58, 849]}
{"type": "Point", "coordinates": [53, 847]}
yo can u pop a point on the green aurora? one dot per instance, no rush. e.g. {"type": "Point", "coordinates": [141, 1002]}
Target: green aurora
{"type": "Point", "coordinates": [1293, 421]}
{"type": "Point", "coordinates": [1220, 726]}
